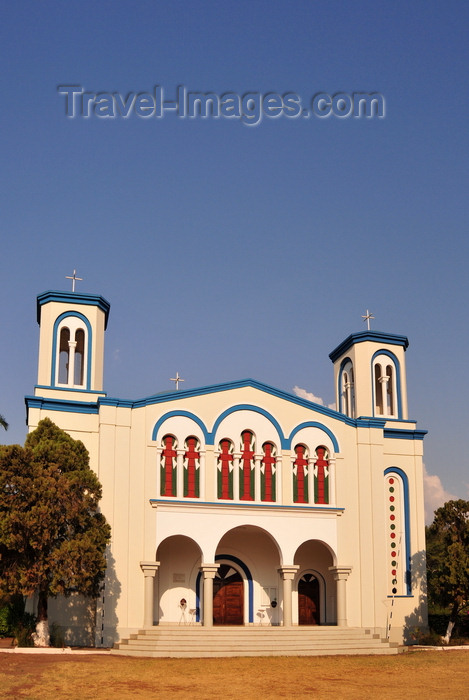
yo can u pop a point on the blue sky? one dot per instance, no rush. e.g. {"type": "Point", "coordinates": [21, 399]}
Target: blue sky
{"type": "Point", "coordinates": [230, 251]}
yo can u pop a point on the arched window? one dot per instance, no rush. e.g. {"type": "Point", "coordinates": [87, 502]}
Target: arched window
{"type": "Point", "coordinates": [79, 356]}
{"type": "Point", "coordinates": [225, 469]}
{"type": "Point", "coordinates": [71, 360]}
{"type": "Point", "coordinates": [192, 468]}
{"type": "Point", "coordinates": [385, 387]}
{"type": "Point", "coordinates": [268, 472]}
{"type": "Point", "coordinates": [321, 476]}
{"type": "Point", "coordinates": [64, 354]}
{"type": "Point", "coordinates": [397, 532]}
{"type": "Point", "coordinates": [247, 464]}
{"type": "Point", "coordinates": [300, 475]}
{"type": "Point", "coordinates": [348, 390]}
{"type": "Point", "coordinates": [168, 466]}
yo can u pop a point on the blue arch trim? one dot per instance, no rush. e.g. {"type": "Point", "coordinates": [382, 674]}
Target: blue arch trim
{"type": "Point", "coordinates": [58, 321]}
{"type": "Point", "coordinates": [313, 424]}
{"type": "Point", "coordinates": [247, 573]}
{"type": "Point", "coordinates": [397, 368]}
{"type": "Point", "coordinates": [339, 381]}
{"type": "Point", "coordinates": [256, 409]}
{"type": "Point", "coordinates": [405, 488]}
{"type": "Point", "coordinates": [186, 414]}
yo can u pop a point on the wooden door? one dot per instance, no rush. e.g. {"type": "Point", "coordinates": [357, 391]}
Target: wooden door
{"type": "Point", "coordinates": [228, 597]}
{"type": "Point", "coordinates": [308, 600]}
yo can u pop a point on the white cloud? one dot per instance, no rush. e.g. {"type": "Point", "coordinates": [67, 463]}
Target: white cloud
{"type": "Point", "coordinates": [434, 493]}
{"type": "Point", "coordinates": [303, 394]}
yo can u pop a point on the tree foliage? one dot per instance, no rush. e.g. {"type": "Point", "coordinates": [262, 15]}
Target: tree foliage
{"type": "Point", "coordinates": [52, 535]}
{"type": "Point", "coordinates": [448, 557]}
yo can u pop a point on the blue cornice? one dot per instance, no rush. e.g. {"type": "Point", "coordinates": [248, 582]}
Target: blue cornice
{"type": "Point", "coordinates": [73, 298]}
{"type": "Point", "coordinates": [372, 336]}
{"type": "Point", "coordinates": [61, 405]}
{"type": "Point", "coordinates": [66, 388]}
{"type": "Point", "coordinates": [403, 434]}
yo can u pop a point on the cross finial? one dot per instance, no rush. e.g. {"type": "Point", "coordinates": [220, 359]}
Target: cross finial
{"type": "Point", "coordinates": [74, 279]}
{"type": "Point", "coordinates": [367, 317]}
{"type": "Point", "coordinates": [176, 379]}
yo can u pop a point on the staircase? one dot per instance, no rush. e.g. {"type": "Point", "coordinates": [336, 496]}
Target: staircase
{"type": "Point", "coordinates": [199, 642]}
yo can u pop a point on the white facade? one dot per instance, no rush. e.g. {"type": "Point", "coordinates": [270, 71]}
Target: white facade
{"type": "Point", "coordinates": [239, 503]}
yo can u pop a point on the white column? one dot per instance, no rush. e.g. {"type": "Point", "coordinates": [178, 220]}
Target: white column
{"type": "Point", "coordinates": [341, 574]}
{"type": "Point", "coordinates": [288, 574]}
{"type": "Point", "coordinates": [331, 468]}
{"type": "Point", "coordinates": [383, 380]}
{"type": "Point", "coordinates": [257, 477]}
{"type": "Point", "coordinates": [202, 475]}
{"type": "Point", "coordinates": [71, 362]}
{"type": "Point", "coordinates": [311, 461]}
{"type": "Point", "coordinates": [236, 458]}
{"type": "Point", "coordinates": [149, 569]}
{"type": "Point", "coordinates": [278, 479]}
{"type": "Point", "coordinates": [180, 473]}
{"type": "Point", "coordinates": [209, 571]}
{"type": "Point", "coordinates": [159, 450]}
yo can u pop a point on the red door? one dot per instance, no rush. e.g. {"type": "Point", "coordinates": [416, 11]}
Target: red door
{"type": "Point", "coordinates": [228, 597]}
{"type": "Point", "coordinates": [308, 600]}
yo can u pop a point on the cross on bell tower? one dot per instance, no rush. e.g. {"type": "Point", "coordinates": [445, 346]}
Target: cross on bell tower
{"type": "Point", "coordinates": [367, 317]}
{"type": "Point", "coordinates": [74, 279]}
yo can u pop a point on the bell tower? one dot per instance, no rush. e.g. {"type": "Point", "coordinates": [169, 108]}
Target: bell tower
{"type": "Point", "coordinates": [71, 344]}
{"type": "Point", "coordinates": [370, 375]}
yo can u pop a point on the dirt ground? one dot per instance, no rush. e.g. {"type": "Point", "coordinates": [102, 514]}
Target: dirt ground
{"type": "Point", "coordinates": [102, 677]}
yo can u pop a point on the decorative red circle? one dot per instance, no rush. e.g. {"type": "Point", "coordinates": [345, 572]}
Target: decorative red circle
{"type": "Point", "coordinates": [391, 481]}
{"type": "Point", "coordinates": [391, 498]}
{"type": "Point", "coordinates": [394, 572]}
{"type": "Point", "coordinates": [393, 534]}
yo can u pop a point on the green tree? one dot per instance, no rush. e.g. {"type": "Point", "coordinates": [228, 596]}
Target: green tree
{"type": "Point", "coordinates": [52, 535]}
{"type": "Point", "coordinates": [3, 422]}
{"type": "Point", "coordinates": [448, 559]}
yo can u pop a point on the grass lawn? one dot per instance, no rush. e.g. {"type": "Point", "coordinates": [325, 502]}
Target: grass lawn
{"type": "Point", "coordinates": [425, 674]}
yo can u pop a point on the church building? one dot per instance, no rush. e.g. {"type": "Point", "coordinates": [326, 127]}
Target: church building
{"type": "Point", "coordinates": [238, 503]}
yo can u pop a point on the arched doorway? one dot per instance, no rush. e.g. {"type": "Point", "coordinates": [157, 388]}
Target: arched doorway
{"type": "Point", "coordinates": [308, 600]}
{"type": "Point", "coordinates": [228, 596]}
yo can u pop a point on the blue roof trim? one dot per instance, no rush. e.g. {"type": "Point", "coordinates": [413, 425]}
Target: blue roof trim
{"type": "Point", "coordinates": [61, 405]}
{"type": "Point", "coordinates": [403, 434]}
{"type": "Point", "coordinates": [368, 422]}
{"type": "Point", "coordinates": [73, 298]}
{"type": "Point", "coordinates": [364, 336]}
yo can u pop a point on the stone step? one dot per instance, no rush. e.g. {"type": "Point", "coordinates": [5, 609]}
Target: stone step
{"type": "Point", "coordinates": [187, 642]}
{"type": "Point", "coordinates": [174, 653]}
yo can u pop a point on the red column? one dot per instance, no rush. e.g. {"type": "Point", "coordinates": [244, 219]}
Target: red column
{"type": "Point", "coordinates": [268, 460]}
{"type": "Point", "coordinates": [246, 458]}
{"type": "Point", "coordinates": [169, 455]}
{"type": "Point", "coordinates": [191, 457]}
{"type": "Point", "coordinates": [300, 464]}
